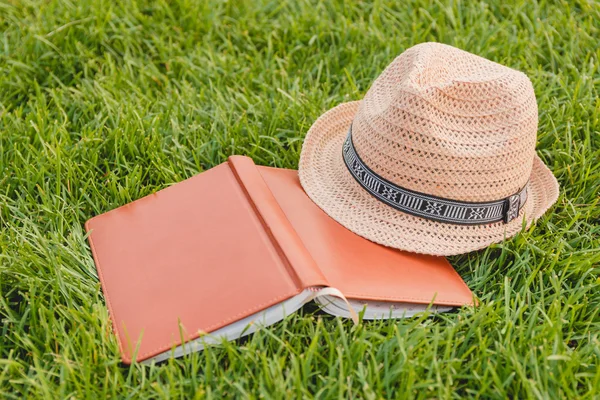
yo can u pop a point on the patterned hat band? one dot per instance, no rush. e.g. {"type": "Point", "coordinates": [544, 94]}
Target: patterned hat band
{"type": "Point", "coordinates": [427, 206]}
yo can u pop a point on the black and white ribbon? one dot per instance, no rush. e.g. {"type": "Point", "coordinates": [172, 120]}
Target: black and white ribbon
{"type": "Point", "coordinates": [428, 206]}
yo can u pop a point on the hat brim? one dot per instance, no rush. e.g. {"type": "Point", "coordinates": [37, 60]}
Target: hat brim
{"type": "Point", "coordinates": [328, 183]}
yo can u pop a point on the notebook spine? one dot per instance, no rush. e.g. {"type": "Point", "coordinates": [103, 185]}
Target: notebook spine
{"type": "Point", "coordinates": [301, 266]}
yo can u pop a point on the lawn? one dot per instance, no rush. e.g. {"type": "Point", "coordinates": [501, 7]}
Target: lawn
{"type": "Point", "coordinates": [102, 103]}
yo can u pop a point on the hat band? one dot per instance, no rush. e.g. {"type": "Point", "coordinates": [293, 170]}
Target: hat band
{"type": "Point", "coordinates": [428, 206]}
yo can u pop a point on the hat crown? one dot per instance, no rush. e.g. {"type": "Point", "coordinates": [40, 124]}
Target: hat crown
{"type": "Point", "coordinates": [448, 123]}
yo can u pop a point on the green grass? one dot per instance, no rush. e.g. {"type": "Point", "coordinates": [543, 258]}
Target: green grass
{"type": "Point", "coordinates": [102, 103]}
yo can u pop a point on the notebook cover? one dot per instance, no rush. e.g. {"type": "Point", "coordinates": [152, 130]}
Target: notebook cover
{"type": "Point", "coordinates": [195, 257]}
{"type": "Point", "coordinates": [359, 268]}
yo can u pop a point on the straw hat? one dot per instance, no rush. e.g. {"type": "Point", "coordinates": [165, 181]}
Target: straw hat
{"type": "Point", "coordinates": [438, 158]}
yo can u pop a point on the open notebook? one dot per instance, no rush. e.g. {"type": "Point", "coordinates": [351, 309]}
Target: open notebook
{"type": "Point", "coordinates": [238, 247]}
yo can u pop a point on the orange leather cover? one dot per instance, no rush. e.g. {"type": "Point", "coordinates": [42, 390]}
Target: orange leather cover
{"type": "Point", "coordinates": [235, 240]}
{"type": "Point", "coordinates": [359, 268]}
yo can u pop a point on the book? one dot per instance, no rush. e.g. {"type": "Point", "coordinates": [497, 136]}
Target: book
{"type": "Point", "coordinates": [239, 247]}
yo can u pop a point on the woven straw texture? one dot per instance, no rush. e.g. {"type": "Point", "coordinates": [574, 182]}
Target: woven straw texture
{"type": "Point", "coordinates": [439, 121]}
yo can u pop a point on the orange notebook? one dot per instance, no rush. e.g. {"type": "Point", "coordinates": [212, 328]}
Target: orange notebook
{"type": "Point", "coordinates": [238, 247]}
